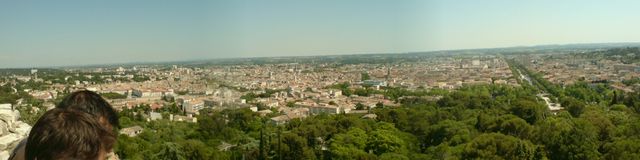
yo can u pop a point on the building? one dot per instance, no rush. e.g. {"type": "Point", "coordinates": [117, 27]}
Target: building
{"type": "Point", "coordinates": [375, 83]}
{"type": "Point", "coordinates": [211, 103]}
{"type": "Point", "coordinates": [188, 118]}
{"type": "Point", "coordinates": [370, 116]}
{"type": "Point", "coordinates": [289, 114]}
{"type": "Point", "coordinates": [325, 109]}
{"type": "Point", "coordinates": [131, 131]}
{"type": "Point", "coordinates": [336, 93]}
{"type": "Point", "coordinates": [475, 62]}
{"type": "Point", "coordinates": [193, 107]}
{"type": "Point", "coordinates": [264, 112]}
{"type": "Point", "coordinates": [627, 68]}
{"type": "Point", "coordinates": [44, 95]}
{"type": "Point", "coordinates": [155, 116]}
{"type": "Point", "coordinates": [282, 119]}
{"type": "Point", "coordinates": [146, 93]}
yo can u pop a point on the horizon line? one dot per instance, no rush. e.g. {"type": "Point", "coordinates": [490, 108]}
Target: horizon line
{"type": "Point", "coordinates": [318, 55]}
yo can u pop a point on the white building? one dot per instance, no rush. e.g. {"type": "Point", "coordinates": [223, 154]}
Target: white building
{"type": "Point", "coordinates": [131, 131]}
{"type": "Point", "coordinates": [325, 109]}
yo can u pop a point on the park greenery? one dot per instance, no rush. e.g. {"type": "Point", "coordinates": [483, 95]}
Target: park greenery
{"type": "Point", "coordinates": [112, 95]}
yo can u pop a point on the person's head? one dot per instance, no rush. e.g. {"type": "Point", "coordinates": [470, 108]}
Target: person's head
{"type": "Point", "coordinates": [68, 134]}
{"type": "Point", "coordinates": [93, 103]}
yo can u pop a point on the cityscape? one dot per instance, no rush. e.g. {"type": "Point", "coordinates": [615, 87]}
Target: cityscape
{"type": "Point", "coordinates": [318, 80]}
{"type": "Point", "coordinates": [279, 91]}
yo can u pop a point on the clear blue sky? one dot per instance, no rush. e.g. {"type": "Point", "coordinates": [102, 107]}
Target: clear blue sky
{"type": "Point", "coordinates": [61, 32]}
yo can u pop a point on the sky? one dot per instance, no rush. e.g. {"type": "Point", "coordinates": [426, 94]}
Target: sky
{"type": "Point", "coordinates": [81, 32]}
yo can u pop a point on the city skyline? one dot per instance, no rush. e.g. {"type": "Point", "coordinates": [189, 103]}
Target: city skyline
{"type": "Point", "coordinates": [68, 33]}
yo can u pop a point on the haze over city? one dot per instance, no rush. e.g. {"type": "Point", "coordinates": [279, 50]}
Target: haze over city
{"type": "Point", "coordinates": [62, 33]}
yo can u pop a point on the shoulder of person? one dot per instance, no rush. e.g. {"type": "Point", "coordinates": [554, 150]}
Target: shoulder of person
{"type": "Point", "coordinates": [18, 152]}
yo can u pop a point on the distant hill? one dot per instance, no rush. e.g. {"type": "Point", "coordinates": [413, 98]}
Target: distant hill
{"type": "Point", "coordinates": [377, 57]}
{"type": "Point", "coordinates": [626, 55]}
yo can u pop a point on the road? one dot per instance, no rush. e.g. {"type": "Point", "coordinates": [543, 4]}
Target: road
{"type": "Point", "coordinates": [553, 107]}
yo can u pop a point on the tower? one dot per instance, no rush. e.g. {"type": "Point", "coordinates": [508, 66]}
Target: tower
{"type": "Point", "coordinates": [388, 73]}
{"type": "Point", "coordinates": [34, 73]}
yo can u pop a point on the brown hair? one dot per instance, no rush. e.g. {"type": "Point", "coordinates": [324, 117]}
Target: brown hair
{"type": "Point", "coordinates": [68, 134]}
{"type": "Point", "coordinates": [93, 103]}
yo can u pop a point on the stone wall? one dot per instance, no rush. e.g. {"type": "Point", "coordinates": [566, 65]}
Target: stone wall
{"type": "Point", "coordinates": [12, 131]}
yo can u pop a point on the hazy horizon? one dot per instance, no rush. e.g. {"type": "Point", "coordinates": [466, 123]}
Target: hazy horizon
{"type": "Point", "coordinates": [69, 33]}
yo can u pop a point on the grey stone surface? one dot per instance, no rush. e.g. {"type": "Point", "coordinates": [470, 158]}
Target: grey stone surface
{"type": "Point", "coordinates": [5, 106]}
{"type": "Point", "coordinates": [7, 140]}
{"type": "Point", "coordinates": [12, 131]}
{"type": "Point", "coordinates": [4, 155]}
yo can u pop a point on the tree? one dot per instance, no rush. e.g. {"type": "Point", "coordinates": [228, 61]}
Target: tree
{"type": "Point", "coordinates": [498, 146]}
{"type": "Point", "coordinates": [568, 139]}
{"type": "Point", "coordinates": [396, 116]}
{"type": "Point", "coordinates": [349, 145]}
{"type": "Point", "coordinates": [295, 147]}
{"type": "Point", "coordinates": [211, 125]}
{"type": "Point", "coordinates": [195, 149]}
{"type": "Point", "coordinates": [528, 110]}
{"type": "Point", "coordinates": [386, 139]}
{"type": "Point", "coordinates": [125, 121]}
{"type": "Point", "coordinates": [453, 132]}
{"type": "Point", "coordinates": [132, 148]}
{"type": "Point", "coordinates": [112, 95]}
{"type": "Point", "coordinates": [506, 124]}
{"type": "Point", "coordinates": [138, 78]}
{"type": "Point", "coordinates": [574, 106]}
{"type": "Point", "coordinates": [365, 76]}
{"type": "Point", "coordinates": [170, 151]}
{"type": "Point", "coordinates": [393, 156]}
{"type": "Point", "coordinates": [588, 92]}
{"type": "Point", "coordinates": [632, 100]}
{"type": "Point", "coordinates": [249, 96]}
{"type": "Point", "coordinates": [516, 127]}
{"type": "Point", "coordinates": [603, 125]}
{"type": "Point", "coordinates": [261, 106]}
{"type": "Point", "coordinates": [240, 118]}
{"type": "Point", "coordinates": [291, 104]}
{"type": "Point", "coordinates": [622, 149]}
{"type": "Point", "coordinates": [360, 106]}
{"type": "Point", "coordinates": [171, 109]}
